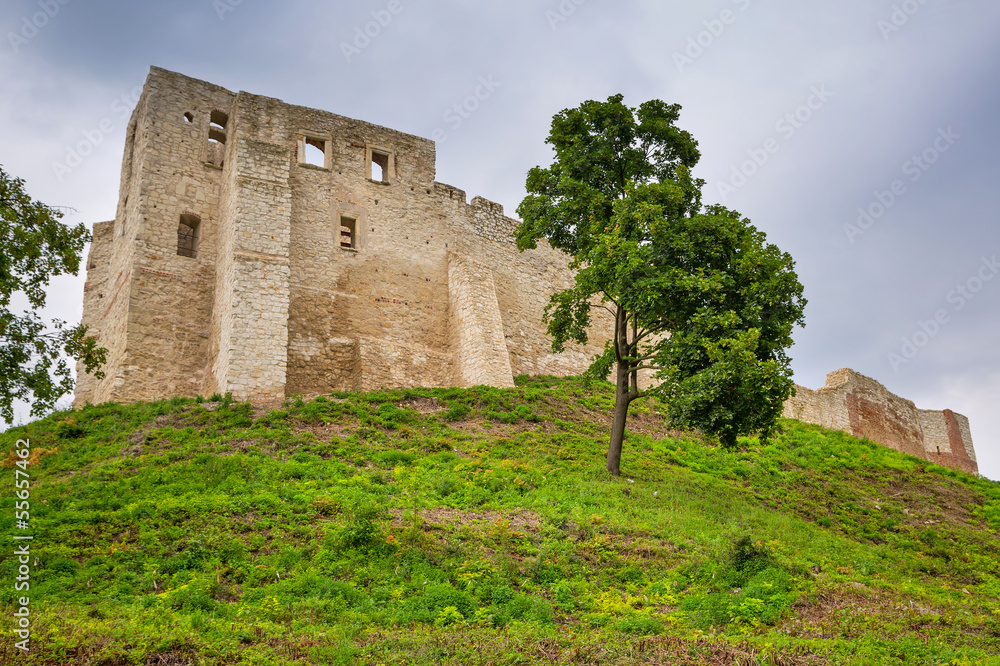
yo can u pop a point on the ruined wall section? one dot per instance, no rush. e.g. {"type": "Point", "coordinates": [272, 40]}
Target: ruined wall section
{"type": "Point", "coordinates": [252, 287]}
{"type": "Point", "coordinates": [476, 325]}
{"type": "Point", "coordinates": [861, 406]}
{"type": "Point", "coordinates": [98, 264]}
{"type": "Point", "coordinates": [373, 314]}
{"type": "Point", "coordinates": [489, 221]}
{"type": "Point", "coordinates": [882, 416]}
{"type": "Point", "coordinates": [525, 281]}
{"type": "Point", "coordinates": [947, 439]}
{"type": "Point", "coordinates": [173, 294]}
{"type": "Point", "coordinates": [108, 312]}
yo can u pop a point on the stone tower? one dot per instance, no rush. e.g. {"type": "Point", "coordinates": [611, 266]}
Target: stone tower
{"type": "Point", "coordinates": [267, 249]}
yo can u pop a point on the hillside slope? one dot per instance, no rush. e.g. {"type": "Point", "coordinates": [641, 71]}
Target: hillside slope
{"type": "Point", "coordinates": [452, 526]}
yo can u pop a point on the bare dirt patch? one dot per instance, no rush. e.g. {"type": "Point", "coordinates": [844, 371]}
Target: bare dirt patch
{"type": "Point", "coordinates": [527, 521]}
{"type": "Point", "coordinates": [423, 405]}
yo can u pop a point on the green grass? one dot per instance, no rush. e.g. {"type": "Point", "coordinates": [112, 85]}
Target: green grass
{"type": "Point", "coordinates": [454, 526]}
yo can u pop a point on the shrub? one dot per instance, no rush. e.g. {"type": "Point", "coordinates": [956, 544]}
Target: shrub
{"type": "Point", "coordinates": [747, 588]}
{"type": "Point", "coordinates": [68, 429]}
{"type": "Point", "coordinates": [363, 532]}
{"type": "Point", "coordinates": [435, 599]}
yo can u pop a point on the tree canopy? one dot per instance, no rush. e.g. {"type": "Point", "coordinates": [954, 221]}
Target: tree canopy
{"type": "Point", "coordinates": [34, 247]}
{"type": "Point", "coordinates": [697, 296]}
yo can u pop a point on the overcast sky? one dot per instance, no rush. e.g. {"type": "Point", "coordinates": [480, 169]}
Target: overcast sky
{"type": "Point", "coordinates": [860, 135]}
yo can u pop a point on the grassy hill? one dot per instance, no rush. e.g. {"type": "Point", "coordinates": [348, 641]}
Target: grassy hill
{"type": "Point", "coordinates": [452, 526]}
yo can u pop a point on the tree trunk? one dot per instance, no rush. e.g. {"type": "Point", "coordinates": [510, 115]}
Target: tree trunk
{"type": "Point", "coordinates": [623, 397]}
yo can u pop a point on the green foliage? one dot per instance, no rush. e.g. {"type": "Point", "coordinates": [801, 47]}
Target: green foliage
{"type": "Point", "coordinates": [235, 541]}
{"type": "Point", "coordinates": [363, 533]}
{"type": "Point", "coordinates": [696, 295]}
{"type": "Point", "coordinates": [435, 602]}
{"type": "Point", "coordinates": [748, 588]}
{"type": "Point", "coordinates": [68, 429]}
{"type": "Point", "coordinates": [35, 247]}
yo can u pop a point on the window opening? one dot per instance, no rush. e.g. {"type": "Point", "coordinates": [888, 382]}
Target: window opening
{"type": "Point", "coordinates": [188, 118]}
{"type": "Point", "coordinates": [187, 236]}
{"type": "Point", "coordinates": [315, 152]}
{"type": "Point", "coordinates": [380, 166]}
{"type": "Point", "coordinates": [218, 120]}
{"type": "Point", "coordinates": [348, 232]}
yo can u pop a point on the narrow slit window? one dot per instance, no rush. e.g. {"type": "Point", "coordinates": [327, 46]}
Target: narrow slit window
{"type": "Point", "coordinates": [380, 166]}
{"type": "Point", "coordinates": [187, 236]}
{"type": "Point", "coordinates": [348, 232]}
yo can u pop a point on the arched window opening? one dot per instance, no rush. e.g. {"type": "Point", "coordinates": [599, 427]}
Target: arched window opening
{"type": "Point", "coordinates": [188, 117]}
{"type": "Point", "coordinates": [187, 235]}
{"type": "Point", "coordinates": [218, 121]}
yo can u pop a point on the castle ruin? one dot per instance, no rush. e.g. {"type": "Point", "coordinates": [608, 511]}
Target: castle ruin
{"type": "Point", "coordinates": [265, 249]}
{"type": "Point", "coordinates": [861, 406]}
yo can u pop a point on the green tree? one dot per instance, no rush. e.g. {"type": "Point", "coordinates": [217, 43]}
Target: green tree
{"type": "Point", "coordinates": [34, 247]}
{"type": "Point", "coordinates": [696, 294]}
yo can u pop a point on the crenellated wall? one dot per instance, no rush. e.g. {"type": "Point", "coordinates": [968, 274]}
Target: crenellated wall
{"type": "Point", "coordinates": [310, 275]}
{"type": "Point", "coordinates": [859, 405]}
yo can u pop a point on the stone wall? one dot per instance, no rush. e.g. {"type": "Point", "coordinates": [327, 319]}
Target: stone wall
{"type": "Point", "coordinates": [425, 288]}
{"type": "Point", "coordinates": [861, 406]}
{"type": "Point", "coordinates": [477, 325]}
{"type": "Point", "coordinates": [312, 277]}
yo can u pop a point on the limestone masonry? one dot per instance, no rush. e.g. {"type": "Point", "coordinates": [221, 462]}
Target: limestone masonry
{"type": "Point", "coordinates": [267, 249]}
{"type": "Point", "coordinates": [862, 407]}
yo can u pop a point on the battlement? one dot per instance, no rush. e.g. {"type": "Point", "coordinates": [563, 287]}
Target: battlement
{"type": "Point", "coordinates": [268, 249]}
{"type": "Point", "coordinates": [861, 406]}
